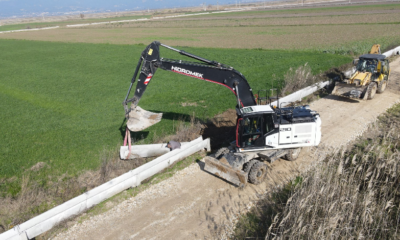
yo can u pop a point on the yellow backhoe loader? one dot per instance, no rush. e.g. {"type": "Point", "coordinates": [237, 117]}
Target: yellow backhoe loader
{"type": "Point", "coordinates": [371, 76]}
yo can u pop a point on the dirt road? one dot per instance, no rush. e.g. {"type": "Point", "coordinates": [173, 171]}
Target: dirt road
{"type": "Point", "coordinates": [196, 205]}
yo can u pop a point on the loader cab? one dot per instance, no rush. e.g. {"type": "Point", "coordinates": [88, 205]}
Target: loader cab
{"type": "Point", "coordinates": [372, 63]}
{"type": "Point", "coordinates": [367, 65]}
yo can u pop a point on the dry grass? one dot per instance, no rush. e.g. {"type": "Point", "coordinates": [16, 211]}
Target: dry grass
{"type": "Point", "coordinates": [352, 194]}
{"type": "Point", "coordinates": [184, 131]}
{"type": "Point", "coordinates": [297, 79]}
{"type": "Point", "coordinates": [220, 129]}
{"type": "Point", "coordinates": [34, 199]}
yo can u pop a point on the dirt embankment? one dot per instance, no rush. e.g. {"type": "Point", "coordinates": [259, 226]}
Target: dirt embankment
{"type": "Point", "coordinates": [196, 205]}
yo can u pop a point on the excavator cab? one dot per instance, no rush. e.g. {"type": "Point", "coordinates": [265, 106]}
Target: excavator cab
{"type": "Point", "coordinates": [252, 130]}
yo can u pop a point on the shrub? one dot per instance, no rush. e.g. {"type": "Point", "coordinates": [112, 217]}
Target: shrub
{"type": "Point", "coordinates": [297, 79]}
{"type": "Point", "coordinates": [351, 195]}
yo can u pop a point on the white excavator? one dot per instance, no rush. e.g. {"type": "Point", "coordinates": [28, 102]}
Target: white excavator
{"type": "Point", "coordinates": [263, 132]}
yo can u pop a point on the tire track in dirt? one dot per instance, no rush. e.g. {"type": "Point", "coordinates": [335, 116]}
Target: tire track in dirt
{"type": "Point", "coordinates": [196, 205]}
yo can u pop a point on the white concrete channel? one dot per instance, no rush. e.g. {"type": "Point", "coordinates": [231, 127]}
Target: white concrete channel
{"type": "Point", "coordinates": [133, 178]}
{"type": "Point", "coordinates": [145, 150]}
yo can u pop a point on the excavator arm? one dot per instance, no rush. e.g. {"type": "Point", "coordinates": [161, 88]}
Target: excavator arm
{"type": "Point", "coordinates": [206, 70]}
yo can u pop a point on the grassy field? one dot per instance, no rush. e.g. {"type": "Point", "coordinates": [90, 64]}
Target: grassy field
{"type": "Point", "coordinates": [341, 9]}
{"type": "Point", "coordinates": [65, 23]}
{"type": "Point", "coordinates": [61, 102]}
{"type": "Point", "coordinates": [344, 30]}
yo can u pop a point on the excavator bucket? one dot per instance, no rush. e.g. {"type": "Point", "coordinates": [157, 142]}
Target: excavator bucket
{"type": "Point", "coordinates": [140, 119]}
{"type": "Point", "coordinates": [349, 90]}
{"type": "Point", "coordinates": [223, 170]}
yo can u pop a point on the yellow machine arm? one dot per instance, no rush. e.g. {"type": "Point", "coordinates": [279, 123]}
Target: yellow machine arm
{"type": "Point", "coordinates": [376, 49]}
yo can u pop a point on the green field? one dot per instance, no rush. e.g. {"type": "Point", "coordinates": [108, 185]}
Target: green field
{"type": "Point", "coordinates": [61, 102]}
{"type": "Point", "coordinates": [66, 22]}
{"type": "Point", "coordinates": [327, 9]}
{"type": "Point", "coordinates": [349, 30]}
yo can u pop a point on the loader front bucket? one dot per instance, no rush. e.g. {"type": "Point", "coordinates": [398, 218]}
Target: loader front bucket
{"type": "Point", "coordinates": [222, 169]}
{"type": "Point", "coordinates": [349, 90]}
{"type": "Point", "coordinates": [140, 119]}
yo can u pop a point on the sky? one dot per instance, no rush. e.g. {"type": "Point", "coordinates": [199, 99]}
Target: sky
{"type": "Point", "coordinates": [20, 8]}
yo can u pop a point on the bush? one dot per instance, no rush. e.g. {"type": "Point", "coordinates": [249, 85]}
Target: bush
{"type": "Point", "coordinates": [295, 80]}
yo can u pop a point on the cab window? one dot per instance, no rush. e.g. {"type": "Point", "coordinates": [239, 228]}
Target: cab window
{"type": "Point", "coordinates": [252, 125]}
{"type": "Point", "coordinates": [252, 131]}
{"type": "Point", "coordinates": [269, 123]}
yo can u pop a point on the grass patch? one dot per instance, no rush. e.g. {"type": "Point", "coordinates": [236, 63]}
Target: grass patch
{"type": "Point", "coordinates": [343, 9]}
{"type": "Point", "coordinates": [31, 25]}
{"type": "Point", "coordinates": [254, 224]}
{"type": "Point", "coordinates": [150, 39]}
{"type": "Point", "coordinates": [362, 46]}
{"type": "Point", "coordinates": [27, 26]}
